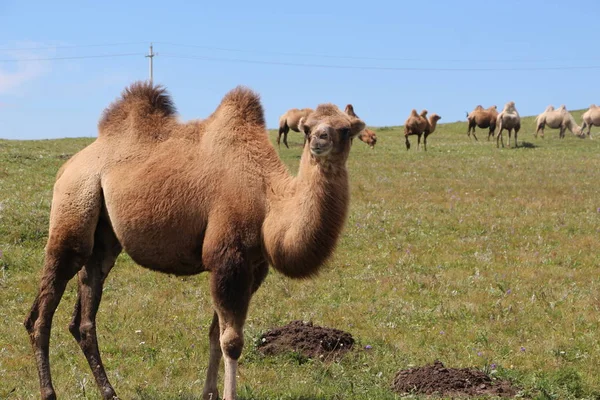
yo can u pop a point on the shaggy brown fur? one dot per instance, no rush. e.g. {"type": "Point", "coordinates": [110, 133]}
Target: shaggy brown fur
{"type": "Point", "coordinates": [290, 120]}
{"type": "Point", "coordinates": [510, 120]}
{"type": "Point", "coordinates": [590, 118]}
{"type": "Point", "coordinates": [183, 198]}
{"type": "Point", "coordinates": [417, 124]}
{"type": "Point", "coordinates": [482, 118]}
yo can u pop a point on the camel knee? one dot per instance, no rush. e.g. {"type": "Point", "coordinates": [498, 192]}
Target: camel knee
{"type": "Point", "coordinates": [232, 343]}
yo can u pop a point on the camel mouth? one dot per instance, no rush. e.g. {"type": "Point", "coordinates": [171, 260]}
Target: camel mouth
{"type": "Point", "coordinates": [320, 151]}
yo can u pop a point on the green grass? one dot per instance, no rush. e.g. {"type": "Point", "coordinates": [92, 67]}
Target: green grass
{"type": "Point", "coordinates": [466, 253]}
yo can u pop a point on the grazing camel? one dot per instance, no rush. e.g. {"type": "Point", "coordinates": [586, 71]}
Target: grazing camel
{"type": "Point", "coordinates": [290, 120]}
{"type": "Point", "coordinates": [590, 118]}
{"type": "Point", "coordinates": [510, 120]}
{"type": "Point", "coordinates": [418, 124]}
{"type": "Point", "coordinates": [185, 198]}
{"type": "Point", "coordinates": [556, 119]}
{"type": "Point", "coordinates": [482, 118]}
{"type": "Point", "coordinates": [366, 136]}
{"type": "Point", "coordinates": [369, 137]}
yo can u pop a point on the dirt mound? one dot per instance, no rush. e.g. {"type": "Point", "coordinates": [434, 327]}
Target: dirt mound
{"type": "Point", "coordinates": [306, 339]}
{"type": "Point", "coordinates": [439, 380]}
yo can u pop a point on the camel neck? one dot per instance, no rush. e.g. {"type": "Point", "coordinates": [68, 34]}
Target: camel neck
{"type": "Point", "coordinates": [306, 217]}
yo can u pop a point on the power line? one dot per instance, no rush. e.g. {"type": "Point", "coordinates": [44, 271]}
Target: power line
{"type": "Point", "coordinates": [72, 46]}
{"type": "Point", "coordinates": [512, 60]}
{"type": "Point", "coordinates": [70, 57]}
{"type": "Point", "coordinates": [353, 67]}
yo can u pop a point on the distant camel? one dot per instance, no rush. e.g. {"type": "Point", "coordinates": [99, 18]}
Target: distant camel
{"type": "Point", "coordinates": [290, 120]}
{"type": "Point", "coordinates": [508, 119]}
{"type": "Point", "coordinates": [185, 198]}
{"type": "Point", "coordinates": [556, 119]}
{"type": "Point", "coordinates": [418, 124]}
{"type": "Point", "coordinates": [482, 118]}
{"type": "Point", "coordinates": [366, 135]}
{"type": "Point", "coordinates": [369, 137]}
{"type": "Point", "coordinates": [590, 118]}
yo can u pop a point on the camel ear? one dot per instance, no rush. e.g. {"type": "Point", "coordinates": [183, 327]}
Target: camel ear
{"type": "Point", "coordinates": [356, 126]}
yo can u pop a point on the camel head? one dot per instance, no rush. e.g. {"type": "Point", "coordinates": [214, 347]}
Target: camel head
{"type": "Point", "coordinates": [329, 131]}
{"type": "Point", "coordinates": [435, 117]}
{"type": "Point", "coordinates": [509, 107]}
{"type": "Point", "coordinates": [369, 137]}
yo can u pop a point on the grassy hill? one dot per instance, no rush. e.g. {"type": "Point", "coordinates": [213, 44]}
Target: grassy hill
{"type": "Point", "coordinates": [469, 254]}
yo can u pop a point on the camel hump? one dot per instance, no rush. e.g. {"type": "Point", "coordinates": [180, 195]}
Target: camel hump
{"type": "Point", "coordinates": [139, 102]}
{"type": "Point", "coordinates": [242, 106]}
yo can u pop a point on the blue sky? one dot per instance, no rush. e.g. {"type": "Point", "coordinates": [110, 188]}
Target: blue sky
{"type": "Point", "coordinates": [385, 57]}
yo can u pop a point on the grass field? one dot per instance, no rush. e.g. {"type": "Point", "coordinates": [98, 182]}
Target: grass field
{"type": "Point", "coordinates": [466, 253]}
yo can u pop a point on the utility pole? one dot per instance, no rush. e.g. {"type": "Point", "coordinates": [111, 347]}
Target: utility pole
{"type": "Point", "coordinates": [150, 56]}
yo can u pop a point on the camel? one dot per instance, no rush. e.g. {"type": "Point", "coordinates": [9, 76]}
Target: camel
{"type": "Point", "coordinates": [510, 120]}
{"type": "Point", "coordinates": [556, 119]}
{"type": "Point", "coordinates": [482, 118]}
{"type": "Point", "coordinates": [183, 198]}
{"type": "Point", "coordinates": [366, 136]}
{"type": "Point", "coordinates": [418, 124]}
{"type": "Point", "coordinates": [590, 118]}
{"type": "Point", "coordinates": [290, 120]}
{"type": "Point", "coordinates": [369, 137]}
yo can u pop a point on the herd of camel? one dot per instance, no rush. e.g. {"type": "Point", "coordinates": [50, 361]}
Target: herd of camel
{"type": "Point", "coordinates": [421, 126]}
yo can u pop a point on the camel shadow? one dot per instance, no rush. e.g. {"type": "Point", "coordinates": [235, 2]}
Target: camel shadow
{"type": "Point", "coordinates": [527, 145]}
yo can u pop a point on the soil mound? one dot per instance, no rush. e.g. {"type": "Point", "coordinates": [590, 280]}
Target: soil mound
{"type": "Point", "coordinates": [439, 380]}
{"type": "Point", "coordinates": [306, 339]}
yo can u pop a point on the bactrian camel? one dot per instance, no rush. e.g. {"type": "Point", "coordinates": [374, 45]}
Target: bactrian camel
{"type": "Point", "coordinates": [418, 124]}
{"type": "Point", "coordinates": [590, 118]}
{"type": "Point", "coordinates": [290, 120]}
{"type": "Point", "coordinates": [510, 120]}
{"type": "Point", "coordinates": [366, 135]}
{"type": "Point", "coordinates": [186, 198]}
{"type": "Point", "coordinates": [556, 119]}
{"type": "Point", "coordinates": [482, 118]}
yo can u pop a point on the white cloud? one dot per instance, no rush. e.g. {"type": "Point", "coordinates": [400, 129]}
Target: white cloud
{"type": "Point", "coordinates": [25, 69]}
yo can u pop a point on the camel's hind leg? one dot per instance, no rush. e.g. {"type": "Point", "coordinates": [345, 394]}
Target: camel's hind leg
{"type": "Point", "coordinates": [499, 138]}
{"type": "Point", "coordinates": [283, 130]}
{"type": "Point", "coordinates": [89, 293]}
{"type": "Point", "coordinates": [74, 216]}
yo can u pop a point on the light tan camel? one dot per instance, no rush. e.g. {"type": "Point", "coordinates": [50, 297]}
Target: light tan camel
{"type": "Point", "coordinates": [590, 118]}
{"type": "Point", "coordinates": [366, 136]}
{"type": "Point", "coordinates": [482, 118]}
{"type": "Point", "coordinates": [290, 120]}
{"type": "Point", "coordinates": [556, 119]}
{"type": "Point", "coordinates": [418, 124]}
{"type": "Point", "coordinates": [186, 198]}
{"type": "Point", "coordinates": [510, 120]}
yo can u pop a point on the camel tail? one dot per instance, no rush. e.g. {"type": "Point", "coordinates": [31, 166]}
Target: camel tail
{"type": "Point", "coordinates": [242, 106]}
{"type": "Point", "coordinates": [139, 103]}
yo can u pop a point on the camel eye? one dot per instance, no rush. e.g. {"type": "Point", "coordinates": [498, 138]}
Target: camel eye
{"type": "Point", "coordinates": [323, 136]}
{"type": "Point", "coordinates": [345, 132]}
